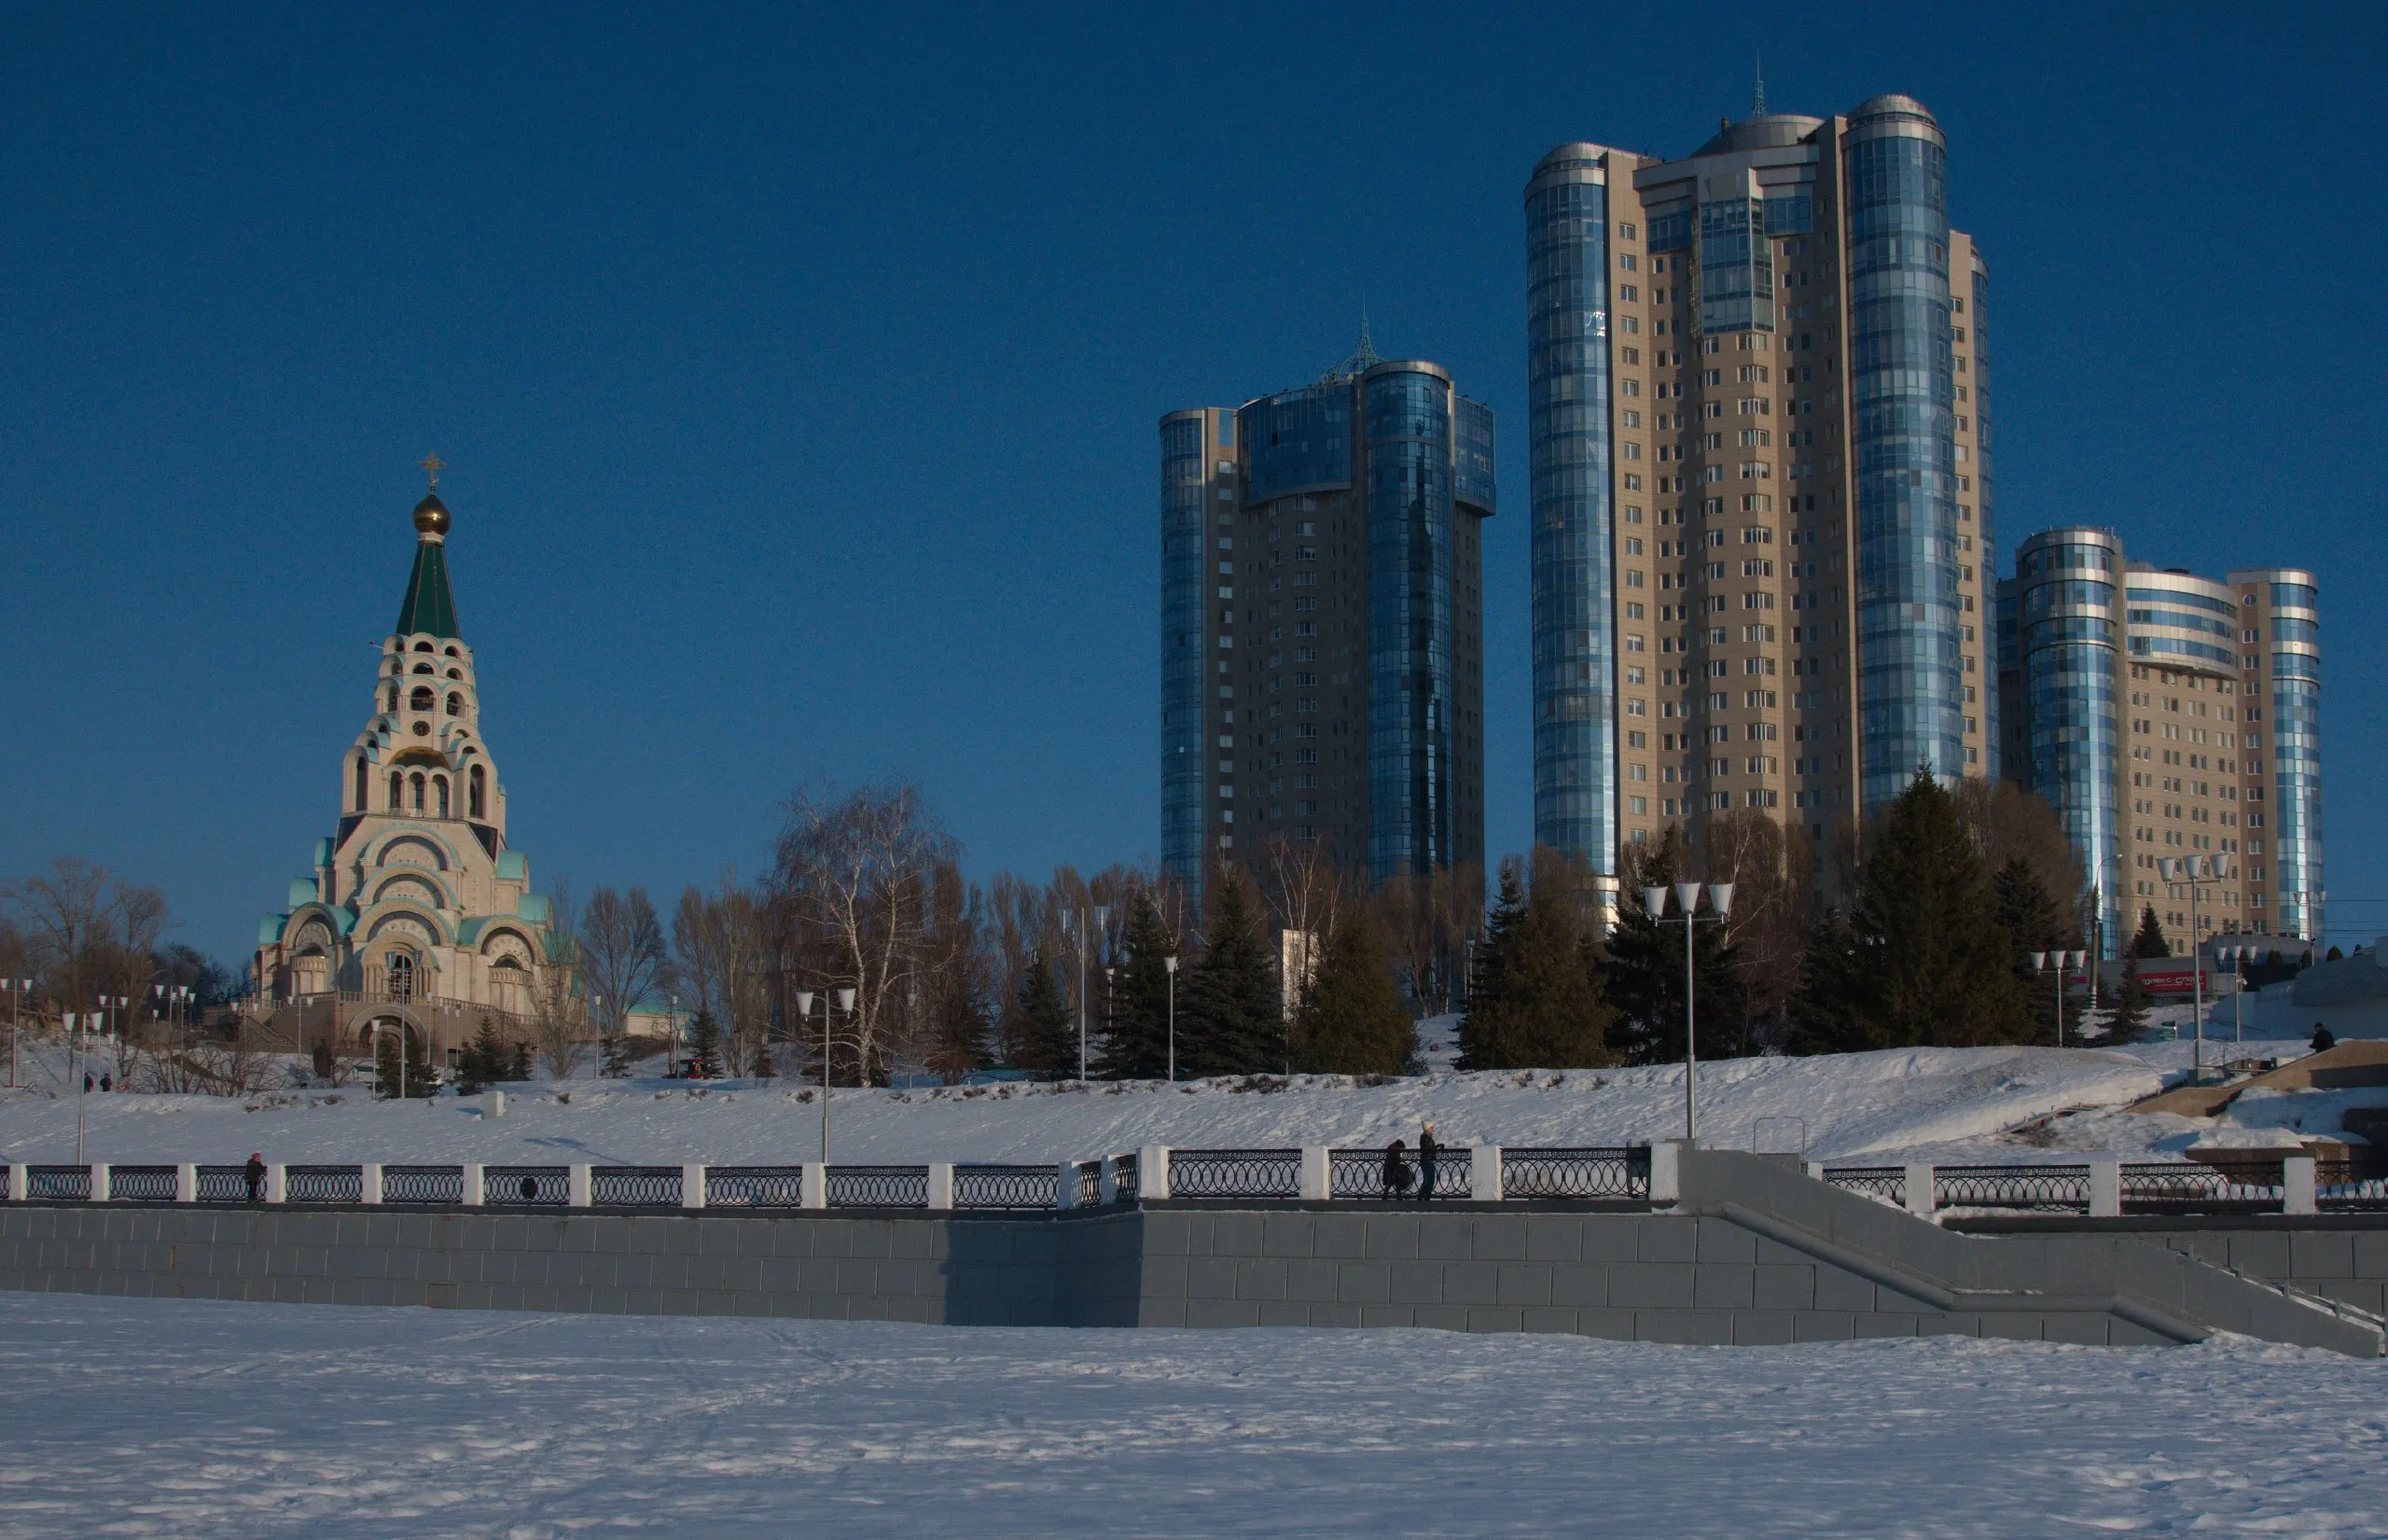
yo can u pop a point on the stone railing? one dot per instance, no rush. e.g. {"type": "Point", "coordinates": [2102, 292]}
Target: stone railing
{"type": "Point", "coordinates": [2108, 1187]}
{"type": "Point", "coordinates": [1312, 1174]}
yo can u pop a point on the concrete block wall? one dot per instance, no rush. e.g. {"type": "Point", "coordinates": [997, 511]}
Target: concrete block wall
{"type": "Point", "coordinates": [991, 1270]}
{"type": "Point", "coordinates": [2338, 1256]}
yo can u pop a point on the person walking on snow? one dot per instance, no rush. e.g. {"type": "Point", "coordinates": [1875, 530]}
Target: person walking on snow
{"type": "Point", "coordinates": [1427, 1150]}
{"type": "Point", "coordinates": [255, 1172]}
{"type": "Point", "coordinates": [1396, 1171]}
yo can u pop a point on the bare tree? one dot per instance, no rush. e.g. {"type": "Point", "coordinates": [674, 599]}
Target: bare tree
{"type": "Point", "coordinates": [66, 912]}
{"type": "Point", "coordinates": [559, 1017]}
{"type": "Point", "coordinates": [2007, 821]}
{"type": "Point", "coordinates": [854, 873]}
{"type": "Point", "coordinates": [621, 955]}
{"type": "Point", "coordinates": [1772, 873]}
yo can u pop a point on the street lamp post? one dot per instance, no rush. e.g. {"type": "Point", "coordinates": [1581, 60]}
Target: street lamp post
{"type": "Point", "coordinates": [2190, 871]}
{"type": "Point", "coordinates": [17, 988]}
{"type": "Point", "coordinates": [2041, 961]}
{"type": "Point", "coordinates": [1101, 914]}
{"type": "Point", "coordinates": [1720, 898]}
{"type": "Point", "coordinates": [1169, 965]}
{"type": "Point", "coordinates": [803, 1011]}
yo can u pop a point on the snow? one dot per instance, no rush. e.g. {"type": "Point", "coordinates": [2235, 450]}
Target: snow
{"type": "Point", "coordinates": [201, 1419]}
{"type": "Point", "coordinates": [1945, 1105]}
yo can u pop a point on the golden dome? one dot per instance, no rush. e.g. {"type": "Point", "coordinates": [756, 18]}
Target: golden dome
{"type": "Point", "coordinates": [431, 516]}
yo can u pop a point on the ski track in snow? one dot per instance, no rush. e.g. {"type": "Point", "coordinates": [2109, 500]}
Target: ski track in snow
{"type": "Point", "coordinates": [1949, 1104]}
{"type": "Point", "coordinates": [197, 1418]}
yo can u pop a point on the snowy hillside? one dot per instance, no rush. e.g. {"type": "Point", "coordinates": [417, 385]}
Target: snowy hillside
{"type": "Point", "coordinates": [1945, 1104]}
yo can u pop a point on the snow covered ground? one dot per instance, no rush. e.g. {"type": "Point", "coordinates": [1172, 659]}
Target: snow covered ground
{"type": "Point", "coordinates": [1940, 1103]}
{"type": "Point", "coordinates": [197, 1418]}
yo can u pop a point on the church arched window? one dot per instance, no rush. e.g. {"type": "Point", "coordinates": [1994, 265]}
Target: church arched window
{"type": "Point", "coordinates": [475, 802]}
{"type": "Point", "coordinates": [422, 668]}
{"type": "Point", "coordinates": [358, 801]}
{"type": "Point", "coordinates": [456, 703]}
{"type": "Point", "coordinates": [414, 784]}
{"type": "Point", "coordinates": [421, 699]}
{"type": "Point", "coordinates": [401, 976]}
{"type": "Point", "coordinates": [441, 782]}
{"type": "Point", "coordinates": [396, 794]}
{"type": "Point", "coordinates": [393, 697]}
{"type": "Point", "coordinates": [422, 646]}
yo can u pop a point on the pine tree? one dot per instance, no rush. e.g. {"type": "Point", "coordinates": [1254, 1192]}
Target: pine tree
{"type": "Point", "coordinates": [617, 1061]}
{"type": "Point", "coordinates": [1229, 1019]}
{"type": "Point", "coordinates": [960, 1032]}
{"type": "Point", "coordinates": [1547, 1012]}
{"type": "Point", "coordinates": [705, 1048]}
{"type": "Point", "coordinates": [1489, 976]}
{"type": "Point", "coordinates": [1933, 964]}
{"type": "Point", "coordinates": [418, 1079]}
{"type": "Point", "coordinates": [1824, 1009]}
{"type": "Point", "coordinates": [1049, 1046]}
{"type": "Point", "coordinates": [1135, 1040]}
{"type": "Point", "coordinates": [2150, 940]}
{"type": "Point", "coordinates": [1643, 974]}
{"type": "Point", "coordinates": [1351, 1020]}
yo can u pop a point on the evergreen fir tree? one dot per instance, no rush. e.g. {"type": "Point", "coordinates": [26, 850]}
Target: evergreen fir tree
{"type": "Point", "coordinates": [705, 1048]}
{"type": "Point", "coordinates": [1489, 976]}
{"type": "Point", "coordinates": [1935, 965]}
{"type": "Point", "coordinates": [1825, 1009]}
{"type": "Point", "coordinates": [1351, 1020]}
{"type": "Point", "coordinates": [960, 1032]}
{"type": "Point", "coordinates": [518, 1062]}
{"type": "Point", "coordinates": [1547, 1011]}
{"type": "Point", "coordinates": [418, 1079]}
{"type": "Point", "coordinates": [2150, 940]}
{"type": "Point", "coordinates": [1229, 1019]}
{"type": "Point", "coordinates": [2035, 925]}
{"type": "Point", "coordinates": [1135, 1042]}
{"type": "Point", "coordinates": [2124, 1013]}
{"type": "Point", "coordinates": [614, 1056]}
{"type": "Point", "coordinates": [484, 1062]}
{"type": "Point", "coordinates": [1049, 1046]}
{"type": "Point", "coordinates": [1642, 975]}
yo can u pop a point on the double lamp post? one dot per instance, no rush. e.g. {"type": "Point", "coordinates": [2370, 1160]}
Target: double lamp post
{"type": "Point", "coordinates": [1720, 902]}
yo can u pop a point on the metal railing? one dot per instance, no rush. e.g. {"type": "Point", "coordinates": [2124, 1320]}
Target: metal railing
{"type": "Point", "coordinates": [1089, 1184]}
{"type": "Point", "coordinates": [879, 1187]}
{"type": "Point", "coordinates": [2035, 1189]}
{"type": "Point", "coordinates": [144, 1184]}
{"type": "Point", "coordinates": [2190, 1186]}
{"type": "Point", "coordinates": [1368, 1174]}
{"type": "Point", "coordinates": [531, 1186]}
{"type": "Point", "coordinates": [227, 1185]}
{"type": "Point", "coordinates": [1002, 1186]}
{"type": "Point", "coordinates": [423, 1184]}
{"type": "Point", "coordinates": [1123, 1177]}
{"type": "Point", "coordinates": [59, 1184]}
{"type": "Point", "coordinates": [2340, 1185]}
{"type": "Point", "coordinates": [322, 1184]}
{"type": "Point", "coordinates": [1883, 1183]}
{"type": "Point", "coordinates": [634, 1186]}
{"type": "Point", "coordinates": [1615, 1172]}
{"type": "Point", "coordinates": [1235, 1174]}
{"type": "Point", "coordinates": [754, 1187]}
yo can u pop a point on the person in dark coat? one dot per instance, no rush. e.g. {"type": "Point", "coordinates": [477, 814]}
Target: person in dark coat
{"type": "Point", "coordinates": [1427, 1150]}
{"type": "Point", "coordinates": [105, 1084]}
{"type": "Point", "coordinates": [87, 1080]}
{"type": "Point", "coordinates": [1396, 1171]}
{"type": "Point", "coordinates": [2323, 1040]}
{"type": "Point", "coordinates": [255, 1172]}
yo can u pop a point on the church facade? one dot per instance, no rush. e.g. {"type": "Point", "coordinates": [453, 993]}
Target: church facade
{"type": "Point", "coordinates": [416, 915]}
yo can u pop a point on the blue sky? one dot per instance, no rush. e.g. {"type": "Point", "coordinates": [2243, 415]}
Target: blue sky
{"type": "Point", "coordinates": [798, 373]}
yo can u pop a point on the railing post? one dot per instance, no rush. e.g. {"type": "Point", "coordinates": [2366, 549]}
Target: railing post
{"type": "Point", "coordinates": [277, 1183]}
{"type": "Point", "coordinates": [1152, 1172]}
{"type": "Point", "coordinates": [368, 1186]}
{"type": "Point", "coordinates": [474, 1195]}
{"type": "Point", "coordinates": [1106, 1181]}
{"type": "Point", "coordinates": [941, 1184]}
{"type": "Point", "coordinates": [99, 1182]}
{"type": "Point", "coordinates": [1065, 1184]}
{"type": "Point", "coordinates": [1815, 1170]}
{"type": "Point", "coordinates": [692, 1187]}
{"type": "Point", "coordinates": [1315, 1181]}
{"type": "Point", "coordinates": [495, 1106]}
{"type": "Point", "coordinates": [580, 1195]}
{"type": "Point", "coordinates": [2106, 1187]}
{"type": "Point", "coordinates": [2296, 1186]}
{"type": "Point", "coordinates": [1666, 1172]}
{"type": "Point", "coordinates": [1484, 1173]}
{"type": "Point", "coordinates": [186, 1183]}
{"type": "Point", "coordinates": [20, 1180]}
{"type": "Point", "coordinates": [1919, 1189]}
{"type": "Point", "coordinates": [816, 1186]}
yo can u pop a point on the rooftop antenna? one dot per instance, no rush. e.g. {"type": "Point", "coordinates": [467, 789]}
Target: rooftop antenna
{"type": "Point", "coordinates": [1757, 106]}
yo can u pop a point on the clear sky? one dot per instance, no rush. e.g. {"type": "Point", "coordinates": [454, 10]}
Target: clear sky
{"type": "Point", "coordinates": [798, 370]}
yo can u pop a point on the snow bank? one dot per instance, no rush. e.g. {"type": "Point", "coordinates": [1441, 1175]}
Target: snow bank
{"type": "Point", "coordinates": [1949, 1102]}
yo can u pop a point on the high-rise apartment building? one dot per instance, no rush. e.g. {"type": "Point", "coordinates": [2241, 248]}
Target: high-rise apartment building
{"type": "Point", "coordinates": [2164, 714]}
{"type": "Point", "coordinates": [1321, 622]}
{"type": "Point", "coordinates": [1761, 537]}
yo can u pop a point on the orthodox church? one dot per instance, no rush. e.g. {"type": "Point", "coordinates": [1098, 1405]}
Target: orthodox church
{"type": "Point", "coordinates": [416, 915]}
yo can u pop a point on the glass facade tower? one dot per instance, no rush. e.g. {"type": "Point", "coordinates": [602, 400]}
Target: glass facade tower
{"type": "Point", "coordinates": [1321, 675]}
{"type": "Point", "coordinates": [2067, 655]}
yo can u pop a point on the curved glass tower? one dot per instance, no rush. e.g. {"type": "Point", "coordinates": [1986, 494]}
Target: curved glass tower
{"type": "Point", "coordinates": [2069, 637]}
{"type": "Point", "coordinates": [1568, 411]}
{"type": "Point", "coordinates": [1186, 438]}
{"type": "Point", "coordinates": [2288, 601]}
{"type": "Point", "coordinates": [1903, 436]}
{"type": "Point", "coordinates": [1411, 684]}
